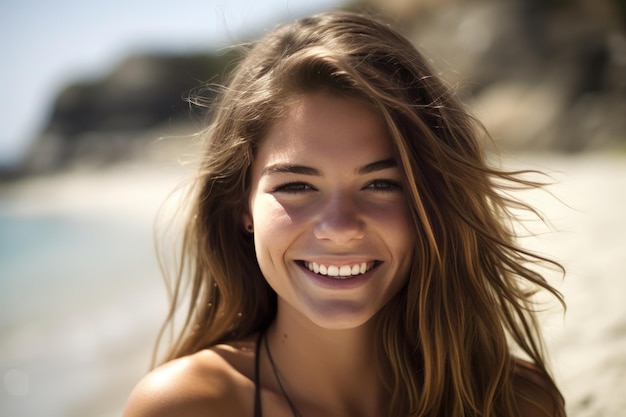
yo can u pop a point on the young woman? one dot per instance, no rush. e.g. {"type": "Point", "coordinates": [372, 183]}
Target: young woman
{"type": "Point", "coordinates": [349, 250]}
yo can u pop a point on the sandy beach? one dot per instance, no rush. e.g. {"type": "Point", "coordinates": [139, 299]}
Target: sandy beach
{"type": "Point", "coordinates": [81, 297]}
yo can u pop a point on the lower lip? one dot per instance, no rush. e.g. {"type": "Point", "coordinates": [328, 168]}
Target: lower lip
{"type": "Point", "coordinates": [338, 283]}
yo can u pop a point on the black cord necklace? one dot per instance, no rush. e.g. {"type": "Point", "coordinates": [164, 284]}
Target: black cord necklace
{"type": "Point", "coordinates": [293, 408]}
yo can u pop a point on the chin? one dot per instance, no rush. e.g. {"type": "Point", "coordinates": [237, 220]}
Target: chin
{"type": "Point", "coordinates": [340, 316]}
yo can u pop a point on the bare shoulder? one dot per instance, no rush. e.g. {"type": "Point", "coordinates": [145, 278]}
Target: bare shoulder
{"type": "Point", "coordinates": [215, 382]}
{"type": "Point", "coordinates": [536, 394]}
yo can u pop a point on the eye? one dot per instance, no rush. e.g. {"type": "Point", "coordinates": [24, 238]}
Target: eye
{"type": "Point", "coordinates": [382, 185]}
{"type": "Point", "coordinates": [293, 188]}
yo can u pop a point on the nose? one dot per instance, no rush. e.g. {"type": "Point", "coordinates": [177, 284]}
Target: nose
{"type": "Point", "coordinates": [339, 220]}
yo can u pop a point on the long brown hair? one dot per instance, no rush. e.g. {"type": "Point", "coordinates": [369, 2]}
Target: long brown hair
{"type": "Point", "coordinates": [445, 340]}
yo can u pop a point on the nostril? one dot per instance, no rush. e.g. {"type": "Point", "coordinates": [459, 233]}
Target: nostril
{"type": "Point", "coordinates": [339, 232]}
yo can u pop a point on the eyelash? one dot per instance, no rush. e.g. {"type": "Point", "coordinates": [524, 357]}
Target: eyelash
{"type": "Point", "coordinates": [379, 185]}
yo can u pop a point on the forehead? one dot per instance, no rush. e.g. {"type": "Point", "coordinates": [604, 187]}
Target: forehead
{"type": "Point", "coordinates": [322, 124]}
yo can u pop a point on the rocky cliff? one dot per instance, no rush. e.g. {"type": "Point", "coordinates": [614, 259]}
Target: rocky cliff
{"type": "Point", "coordinates": [116, 117]}
{"type": "Point", "coordinates": [541, 74]}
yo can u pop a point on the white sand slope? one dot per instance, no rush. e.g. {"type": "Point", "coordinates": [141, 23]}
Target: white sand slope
{"type": "Point", "coordinates": [588, 346]}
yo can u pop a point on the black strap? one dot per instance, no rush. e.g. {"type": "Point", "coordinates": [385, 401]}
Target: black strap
{"type": "Point", "coordinates": [257, 377]}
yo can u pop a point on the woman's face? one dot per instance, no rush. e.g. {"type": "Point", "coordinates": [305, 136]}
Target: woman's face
{"type": "Point", "coordinates": [331, 223]}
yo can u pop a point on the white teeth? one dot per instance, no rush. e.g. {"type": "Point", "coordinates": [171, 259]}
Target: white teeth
{"type": "Point", "coordinates": [338, 271]}
{"type": "Point", "coordinates": [345, 271]}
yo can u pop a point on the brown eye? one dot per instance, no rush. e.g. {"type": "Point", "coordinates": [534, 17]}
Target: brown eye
{"type": "Point", "coordinates": [383, 185]}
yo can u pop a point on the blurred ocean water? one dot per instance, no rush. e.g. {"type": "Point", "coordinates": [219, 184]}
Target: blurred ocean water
{"type": "Point", "coordinates": [42, 257]}
{"type": "Point", "coordinates": [81, 295]}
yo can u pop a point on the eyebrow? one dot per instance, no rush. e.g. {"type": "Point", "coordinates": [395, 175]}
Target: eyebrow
{"type": "Point", "coordinates": [377, 166]}
{"type": "Point", "coordinates": [306, 170]}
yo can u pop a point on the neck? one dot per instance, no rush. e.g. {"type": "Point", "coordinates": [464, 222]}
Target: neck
{"type": "Point", "coordinates": [333, 369]}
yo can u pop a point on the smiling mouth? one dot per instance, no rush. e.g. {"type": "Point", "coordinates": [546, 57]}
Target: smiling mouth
{"type": "Point", "coordinates": [340, 271]}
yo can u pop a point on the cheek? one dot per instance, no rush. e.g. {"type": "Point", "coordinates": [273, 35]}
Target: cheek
{"type": "Point", "coordinates": [397, 229]}
{"type": "Point", "coordinates": [393, 216]}
{"type": "Point", "coordinates": [271, 221]}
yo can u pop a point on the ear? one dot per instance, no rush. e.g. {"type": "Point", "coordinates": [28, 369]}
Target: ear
{"type": "Point", "coordinates": [248, 224]}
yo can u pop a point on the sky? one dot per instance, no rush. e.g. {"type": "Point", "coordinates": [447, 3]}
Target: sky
{"type": "Point", "coordinates": [46, 45]}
